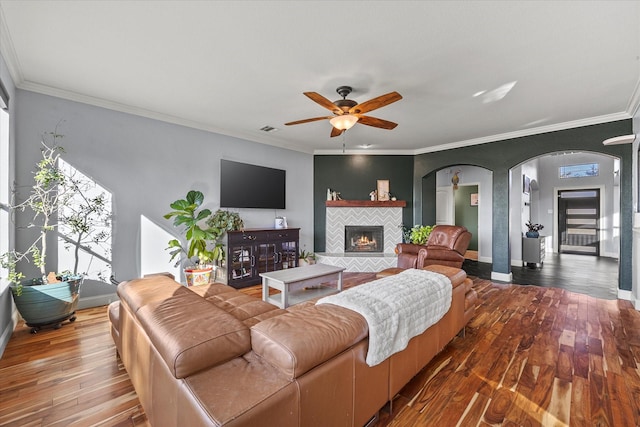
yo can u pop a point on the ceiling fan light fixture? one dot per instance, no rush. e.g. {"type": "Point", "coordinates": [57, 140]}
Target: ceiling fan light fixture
{"type": "Point", "coordinates": [343, 122]}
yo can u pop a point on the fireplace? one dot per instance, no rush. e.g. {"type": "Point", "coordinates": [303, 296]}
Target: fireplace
{"type": "Point", "coordinates": [364, 238]}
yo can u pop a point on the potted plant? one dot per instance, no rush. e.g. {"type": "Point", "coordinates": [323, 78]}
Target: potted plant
{"type": "Point", "coordinates": [58, 199]}
{"type": "Point", "coordinates": [220, 223]}
{"type": "Point", "coordinates": [187, 213]}
{"type": "Point", "coordinates": [306, 258]}
{"type": "Point", "coordinates": [533, 229]}
{"type": "Point", "coordinates": [419, 234]}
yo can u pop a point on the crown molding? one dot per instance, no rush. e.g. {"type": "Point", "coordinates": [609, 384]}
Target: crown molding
{"type": "Point", "coordinates": [484, 140]}
{"type": "Point", "coordinates": [150, 114]}
{"type": "Point", "coordinates": [364, 152]}
{"type": "Point", "coordinates": [8, 52]}
{"type": "Point", "coordinates": [528, 132]}
{"type": "Point", "coordinates": [99, 102]}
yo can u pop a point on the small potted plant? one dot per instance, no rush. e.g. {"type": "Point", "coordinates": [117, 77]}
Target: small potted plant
{"type": "Point", "coordinates": [306, 258]}
{"type": "Point", "coordinates": [188, 215]}
{"type": "Point", "coordinates": [533, 229]}
{"type": "Point", "coordinates": [58, 199]}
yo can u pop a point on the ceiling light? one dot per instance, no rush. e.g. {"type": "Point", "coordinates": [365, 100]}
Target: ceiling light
{"type": "Point", "coordinates": [343, 122]}
{"type": "Point", "coordinates": [624, 139]}
{"type": "Point", "coordinates": [365, 146]}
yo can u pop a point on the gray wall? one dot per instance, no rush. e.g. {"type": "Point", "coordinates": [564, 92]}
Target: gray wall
{"type": "Point", "coordinates": [147, 164]}
{"type": "Point", "coordinates": [8, 313]}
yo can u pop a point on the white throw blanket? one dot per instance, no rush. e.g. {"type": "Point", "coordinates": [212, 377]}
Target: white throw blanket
{"type": "Point", "coordinates": [397, 308]}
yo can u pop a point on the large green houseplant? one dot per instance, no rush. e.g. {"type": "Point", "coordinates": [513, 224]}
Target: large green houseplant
{"type": "Point", "coordinates": [221, 222]}
{"type": "Point", "coordinates": [418, 234]}
{"type": "Point", "coordinates": [57, 198]}
{"type": "Point", "coordinates": [200, 228]}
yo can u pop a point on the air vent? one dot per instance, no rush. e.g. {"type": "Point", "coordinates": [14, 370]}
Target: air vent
{"type": "Point", "coordinates": [268, 129]}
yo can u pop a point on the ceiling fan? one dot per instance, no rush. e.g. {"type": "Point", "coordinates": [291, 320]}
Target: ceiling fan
{"type": "Point", "coordinates": [348, 112]}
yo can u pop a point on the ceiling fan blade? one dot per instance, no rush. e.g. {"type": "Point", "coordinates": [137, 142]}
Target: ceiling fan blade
{"type": "Point", "coordinates": [376, 123]}
{"type": "Point", "coordinates": [315, 119]}
{"type": "Point", "coordinates": [376, 103]}
{"type": "Point", "coordinates": [316, 97]}
{"type": "Point", "coordinates": [336, 132]}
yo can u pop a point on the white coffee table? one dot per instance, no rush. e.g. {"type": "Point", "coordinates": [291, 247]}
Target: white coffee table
{"type": "Point", "coordinates": [300, 283]}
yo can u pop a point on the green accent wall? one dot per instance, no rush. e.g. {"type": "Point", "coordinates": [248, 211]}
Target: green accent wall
{"type": "Point", "coordinates": [355, 176]}
{"type": "Point", "coordinates": [466, 214]}
{"type": "Point", "coordinates": [501, 156]}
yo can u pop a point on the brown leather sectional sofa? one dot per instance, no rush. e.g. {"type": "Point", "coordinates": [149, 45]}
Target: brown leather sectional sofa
{"type": "Point", "coordinates": [213, 356]}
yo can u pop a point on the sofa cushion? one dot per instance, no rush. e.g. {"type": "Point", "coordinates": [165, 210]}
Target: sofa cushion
{"type": "Point", "coordinates": [192, 334]}
{"type": "Point", "coordinates": [456, 275]}
{"type": "Point", "coordinates": [302, 339]}
{"type": "Point", "coordinates": [136, 293]}
{"type": "Point", "coordinates": [243, 307]}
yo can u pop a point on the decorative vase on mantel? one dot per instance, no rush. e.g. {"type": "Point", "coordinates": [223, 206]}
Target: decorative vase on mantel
{"type": "Point", "coordinates": [532, 234]}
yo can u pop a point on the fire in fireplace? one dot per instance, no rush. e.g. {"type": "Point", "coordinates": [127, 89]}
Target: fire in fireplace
{"type": "Point", "coordinates": [364, 238]}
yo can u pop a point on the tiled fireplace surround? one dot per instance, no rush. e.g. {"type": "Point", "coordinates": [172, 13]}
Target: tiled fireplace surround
{"type": "Point", "coordinates": [360, 212]}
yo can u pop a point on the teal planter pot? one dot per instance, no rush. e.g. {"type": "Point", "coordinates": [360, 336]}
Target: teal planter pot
{"type": "Point", "coordinates": [48, 305]}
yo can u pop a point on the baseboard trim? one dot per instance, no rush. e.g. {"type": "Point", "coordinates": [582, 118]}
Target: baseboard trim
{"type": "Point", "coordinates": [486, 259]}
{"type": "Point", "coordinates": [628, 296]}
{"type": "Point", "coordinates": [501, 277]}
{"type": "Point", "coordinates": [625, 295]}
{"type": "Point", "coordinates": [97, 301]}
{"type": "Point", "coordinates": [8, 331]}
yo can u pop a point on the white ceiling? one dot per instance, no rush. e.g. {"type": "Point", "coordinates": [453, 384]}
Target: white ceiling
{"type": "Point", "coordinates": [234, 67]}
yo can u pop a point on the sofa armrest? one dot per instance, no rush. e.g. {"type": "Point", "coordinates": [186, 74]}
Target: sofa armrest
{"type": "Point", "coordinates": [408, 248]}
{"type": "Point", "coordinates": [300, 340]}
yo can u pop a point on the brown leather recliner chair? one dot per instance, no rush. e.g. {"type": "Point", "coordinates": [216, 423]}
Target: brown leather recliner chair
{"type": "Point", "coordinates": [407, 255]}
{"type": "Point", "coordinates": [446, 246]}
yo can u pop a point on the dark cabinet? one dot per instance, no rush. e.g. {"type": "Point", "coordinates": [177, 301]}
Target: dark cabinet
{"type": "Point", "coordinates": [254, 251]}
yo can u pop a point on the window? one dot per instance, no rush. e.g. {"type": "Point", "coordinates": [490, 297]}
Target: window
{"type": "Point", "coordinates": [84, 230]}
{"type": "Point", "coordinates": [579, 171]}
{"type": "Point", "coordinates": [5, 186]}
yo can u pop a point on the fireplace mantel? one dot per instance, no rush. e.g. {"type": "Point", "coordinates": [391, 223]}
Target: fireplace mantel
{"type": "Point", "coordinates": [343, 213]}
{"type": "Point", "coordinates": [366, 204]}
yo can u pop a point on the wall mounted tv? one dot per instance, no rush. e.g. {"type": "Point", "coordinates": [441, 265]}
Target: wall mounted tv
{"type": "Point", "coordinates": [250, 186]}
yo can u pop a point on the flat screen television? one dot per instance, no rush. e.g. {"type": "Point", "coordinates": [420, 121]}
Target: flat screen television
{"type": "Point", "coordinates": [250, 186]}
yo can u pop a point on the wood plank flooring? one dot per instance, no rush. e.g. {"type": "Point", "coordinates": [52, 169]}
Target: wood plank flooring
{"type": "Point", "coordinates": [585, 274]}
{"type": "Point", "coordinates": [531, 356]}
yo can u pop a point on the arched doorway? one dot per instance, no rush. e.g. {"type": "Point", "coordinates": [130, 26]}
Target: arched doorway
{"type": "Point", "coordinates": [469, 205]}
{"type": "Point", "coordinates": [576, 197]}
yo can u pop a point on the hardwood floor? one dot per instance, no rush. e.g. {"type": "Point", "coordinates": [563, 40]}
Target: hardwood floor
{"type": "Point", "coordinates": [531, 356]}
{"type": "Point", "coordinates": [590, 275]}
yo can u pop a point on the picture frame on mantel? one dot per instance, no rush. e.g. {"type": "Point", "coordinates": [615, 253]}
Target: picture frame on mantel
{"type": "Point", "coordinates": [383, 190]}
